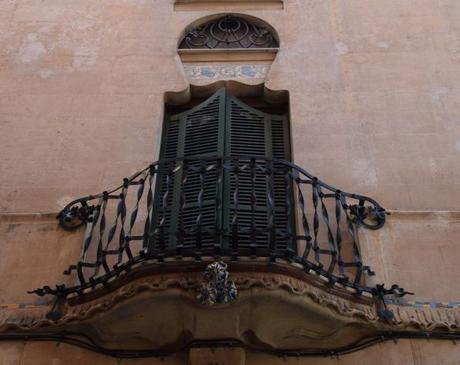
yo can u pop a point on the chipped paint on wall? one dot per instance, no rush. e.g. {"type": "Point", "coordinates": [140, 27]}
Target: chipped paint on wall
{"type": "Point", "coordinates": [31, 50]}
{"type": "Point", "coordinates": [60, 48]}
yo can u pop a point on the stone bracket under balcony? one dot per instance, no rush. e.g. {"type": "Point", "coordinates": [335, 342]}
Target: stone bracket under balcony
{"type": "Point", "coordinates": [278, 308]}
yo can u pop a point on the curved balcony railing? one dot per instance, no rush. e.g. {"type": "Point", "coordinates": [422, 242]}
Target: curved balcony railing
{"type": "Point", "coordinates": [226, 208]}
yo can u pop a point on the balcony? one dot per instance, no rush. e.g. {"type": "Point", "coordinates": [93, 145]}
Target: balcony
{"type": "Point", "coordinates": [185, 244]}
{"type": "Point", "coordinates": [236, 209]}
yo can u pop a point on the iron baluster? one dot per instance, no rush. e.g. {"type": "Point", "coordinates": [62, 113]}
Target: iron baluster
{"type": "Point", "coordinates": [253, 244]}
{"type": "Point", "coordinates": [122, 207]}
{"type": "Point", "coordinates": [330, 237]}
{"type": "Point", "coordinates": [148, 227]}
{"type": "Point", "coordinates": [357, 263]}
{"type": "Point", "coordinates": [271, 210]}
{"type": "Point", "coordinates": [202, 172]}
{"type": "Point", "coordinates": [183, 203]}
{"type": "Point", "coordinates": [236, 199]}
{"type": "Point", "coordinates": [133, 217]}
{"type": "Point", "coordinates": [338, 235]}
{"type": "Point", "coordinates": [305, 225]}
{"type": "Point", "coordinates": [316, 248]}
{"type": "Point", "coordinates": [164, 209]}
{"type": "Point", "coordinates": [86, 246]}
{"type": "Point", "coordinates": [106, 252]}
{"type": "Point", "coordinates": [356, 254]}
{"type": "Point", "coordinates": [100, 244]}
{"type": "Point", "coordinates": [218, 231]}
{"type": "Point", "coordinates": [290, 217]}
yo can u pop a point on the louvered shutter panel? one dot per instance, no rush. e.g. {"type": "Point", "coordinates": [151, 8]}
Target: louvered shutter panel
{"type": "Point", "coordinates": [199, 132]}
{"type": "Point", "coordinates": [220, 126]}
{"type": "Point", "coordinates": [252, 132]}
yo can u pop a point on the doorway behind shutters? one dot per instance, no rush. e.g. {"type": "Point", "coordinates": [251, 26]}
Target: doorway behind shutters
{"type": "Point", "coordinates": [219, 185]}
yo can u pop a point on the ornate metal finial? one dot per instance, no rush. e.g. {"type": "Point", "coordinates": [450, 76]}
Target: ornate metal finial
{"type": "Point", "coordinates": [75, 214]}
{"type": "Point", "coordinates": [218, 289]}
{"type": "Point", "coordinates": [370, 216]}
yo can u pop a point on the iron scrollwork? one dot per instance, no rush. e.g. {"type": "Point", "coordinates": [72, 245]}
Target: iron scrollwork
{"type": "Point", "coordinates": [229, 32]}
{"type": "Point", "coordinates": [76, 214]}
{"type": "Point", "coordinates": [369, 216]}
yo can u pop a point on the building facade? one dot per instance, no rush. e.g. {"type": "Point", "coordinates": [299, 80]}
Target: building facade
{"type": "Point", "coordinates": [235, 182]}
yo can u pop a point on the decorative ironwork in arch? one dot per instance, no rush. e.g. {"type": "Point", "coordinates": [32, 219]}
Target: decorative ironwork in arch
{"type": "Point", "coordinates": [229, 32]}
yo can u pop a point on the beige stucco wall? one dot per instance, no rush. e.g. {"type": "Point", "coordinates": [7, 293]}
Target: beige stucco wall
{"type": "Point", "coordinates": [375, 109]}
{"type": "Point", "coordinates": [374, 94]}
{"type": "Point", "coordinates": [418, 250]}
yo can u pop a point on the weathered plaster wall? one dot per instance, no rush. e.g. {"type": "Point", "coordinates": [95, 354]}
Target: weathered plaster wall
{"type": "Point", "coordinates": [374, 94]}
{"type": "Point", "coordinates": [418, 250]}
{"type": "Point", "coordinates": [375, 108]}
{"type": "Point", "coordinates": [34, 250]}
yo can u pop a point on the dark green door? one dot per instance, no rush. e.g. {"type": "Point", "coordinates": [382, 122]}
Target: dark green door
{"type": "Point", "coordinates": [197, 202]}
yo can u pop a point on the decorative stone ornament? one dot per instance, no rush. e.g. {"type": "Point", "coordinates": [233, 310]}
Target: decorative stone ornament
{"type": "Point", "coordinates": [218, 289]}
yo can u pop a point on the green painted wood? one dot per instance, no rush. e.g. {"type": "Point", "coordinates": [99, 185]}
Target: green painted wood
{"type": "Point", "coordinates": [221, 126]}
{"type": "Point", "coordinates": [252, 132]}
{"type": "Point", "coordinates": [198, 132]}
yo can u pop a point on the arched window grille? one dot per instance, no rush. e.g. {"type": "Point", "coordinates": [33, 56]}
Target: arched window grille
{"type": "Point", "coordinates": [229, 32]}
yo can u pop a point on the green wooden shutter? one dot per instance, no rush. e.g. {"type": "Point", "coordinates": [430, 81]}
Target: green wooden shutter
{"type": "Point", "coordinates": [252, 132]}
{"type": "Point", "coordinates": [198, 132]}
{"type": "Point", "coordinates": [221, 126]}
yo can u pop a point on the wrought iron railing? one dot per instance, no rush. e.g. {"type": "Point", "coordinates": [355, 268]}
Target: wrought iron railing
{"type": "Point", "coordinates": [226, 208]}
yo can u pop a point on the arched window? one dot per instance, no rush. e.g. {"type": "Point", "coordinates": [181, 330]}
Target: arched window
{"type": "Point", "coordinates": [228, 47]}
{"type": "Point", "coordinates": [230, 32]}
{"type": "Point", "coordinates": [236, 208]}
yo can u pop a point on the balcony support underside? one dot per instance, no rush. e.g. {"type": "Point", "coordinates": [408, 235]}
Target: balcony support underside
{"type": "Point", "coordinates": [277, 309]}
